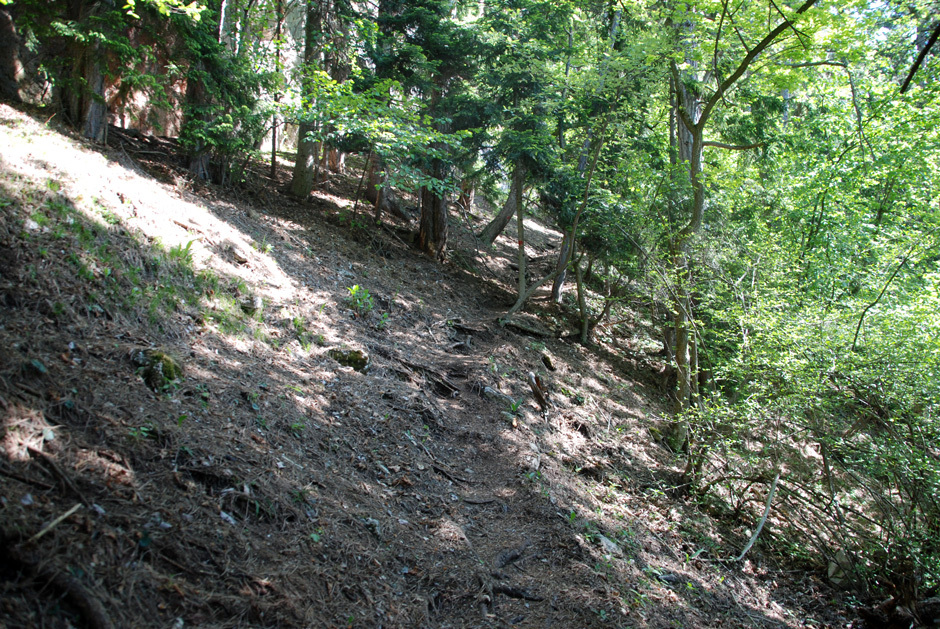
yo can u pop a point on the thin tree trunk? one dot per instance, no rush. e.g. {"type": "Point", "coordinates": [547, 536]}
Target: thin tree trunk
{"type": "Point", "coordinates": [279, 22]}
{"type": "Point", "coordinates": [498, 224]}
{"type": "Point", "coordinates": [520, 237]}
{"type": "Point", "coordinates": [566, 248]}
{"type": "Point", "coordinates": [582, 302]}
{"type": "Point", "coordinates": [561, 266]}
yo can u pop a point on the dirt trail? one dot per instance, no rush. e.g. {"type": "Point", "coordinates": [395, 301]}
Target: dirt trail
{"type": "Point", "coordinates": [272, 486]}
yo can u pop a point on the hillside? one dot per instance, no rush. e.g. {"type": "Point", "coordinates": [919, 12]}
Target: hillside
{"type": "Point", "coordinates": [269, 485]}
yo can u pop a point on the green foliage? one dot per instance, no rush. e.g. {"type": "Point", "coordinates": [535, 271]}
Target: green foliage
{"type": "Point", "coordinates": [359, 300]}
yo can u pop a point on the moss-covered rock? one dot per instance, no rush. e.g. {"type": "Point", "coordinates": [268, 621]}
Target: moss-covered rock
{"type": "Point", "coordinates": [356, 358]}
{"type": "Point", "coordinates": [157, 368]}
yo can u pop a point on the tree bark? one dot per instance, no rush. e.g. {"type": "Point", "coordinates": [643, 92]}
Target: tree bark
{"type": "Point", "coordinates": [520, 238]}
{"type": "Point", "coordinates": [467, 194]}
{"type": "Point", "coordinates": [279, 23]}
{"type": "Point", "coordinates": [83, 99]}
{"type": "Point", "coordinates": [432, 234]}
{"type": "Point", "coordinates": [561, 266]}
{"type": "Point", "coordinates": [498, 224]}
{"type": "Point", "coordinates": [11, 70]}
{"type": "Point", "coordinates": [308, 149]}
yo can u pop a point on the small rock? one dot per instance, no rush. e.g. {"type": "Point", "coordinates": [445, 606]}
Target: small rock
{"type": "Point", "coordinates": [548, 360]}
{"type": "Point", "coordinates": [373, 525]}
{"type": "Point", "coordinates": [609, 546]}
{"type": "Point", "coordinates": [252, 305]}
{"type": "Point", "coordinates": [670, 579]}
{"type": "Point", "coordinates": [240, 257]}
{"type": "Point", "coordinates": [497, 396]}
{"type": "Point", "coordinates": [356, 358]}
{"type": "Point", "coordinates": [157, 368]}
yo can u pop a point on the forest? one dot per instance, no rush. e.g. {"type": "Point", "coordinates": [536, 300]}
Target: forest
{"type": "Point", "coordinates": [757, 182]}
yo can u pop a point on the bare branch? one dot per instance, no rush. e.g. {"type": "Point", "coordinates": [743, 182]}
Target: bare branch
{"type": "Point", "coordinates": [721, 22]}
{"type": "Point", "coordinates": [813, 64]}
{"type": "Point", "coordinates": [799, 35]}
{"type": "Point", "coordinates": [748, 59]}
{"type": "Point", "coordinates": [733, 147]}
{"type": "Point", "coordinates": [921, 57]}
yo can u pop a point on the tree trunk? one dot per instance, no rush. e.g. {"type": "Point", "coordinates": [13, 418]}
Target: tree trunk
{"type": "Point", "coordinates": [83, 99]}
{"type": "Point", "coordinates": [467, 194]}
{"type": "Point", "coordinates": [498, 224]}
{"type": "Point", "coordinates": [308, 149]}
{"type": "Point", "coordinates": [432, 234]}
{"type": "Point", "coordinates": [279, 23]}
{"type": "Point", "coordinates": [336, 160]}
{"type": "Point", "coordinates": [565, 254]}
{"type": "Point", "coordinates": [520, 238]}
{"type": "Point", "coordinates": [11, 70]}
{"type": "Point", "coordinates": [561, 266]}
{"type": "Point", "coordinates": [94, 109]}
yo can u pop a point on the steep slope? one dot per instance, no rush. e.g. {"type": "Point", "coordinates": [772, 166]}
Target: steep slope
{"type": "Point", "coordinates": [268, 484]}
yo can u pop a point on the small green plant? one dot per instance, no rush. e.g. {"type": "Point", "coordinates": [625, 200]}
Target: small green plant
{"type": "Point", "coordinates": [182, 418]}
{"type": "Point", "coordinates": [297, 428]}
{"type": "Point", "coordinates": [139, 433]}
{"type": "Point", "coordinates": [182, 253]}
{"type": "Point", "coordinates": [359, 300]}
{"type": "Point", "coordinates": [383, 321]}
{"type": "Point", "coordinates": [263, 246]}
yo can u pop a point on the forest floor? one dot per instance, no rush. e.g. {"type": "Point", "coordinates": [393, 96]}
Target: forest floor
{"type": "Point", "coordinates": [271, 486]}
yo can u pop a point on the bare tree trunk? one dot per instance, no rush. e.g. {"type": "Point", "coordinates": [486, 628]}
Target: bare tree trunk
{"type": "Point", "coordinates": [95, 111]}
{"type": "Point", "coordinates": [561, 266]}
{"type": "Point", "coordinates": [520, 238]}
{"type": "Point", "coordinates": [498, 224]}
{"type": "Point", "coordinates": [11, 70]}
{"type": "Point", "coordinates": [307, 163]}
{"type": "Point", "coordinates": [566, 246]}
{"type": "Point", "coordinates": [83, 100]}
{"type": "Point", "coordinates": [432, 233]}
{"type": "Point", "coordinates": [336, 160]}
{"type": "Point", "coordinates": [279, 22]}
{"type": "Point", "coordinates": [308, 149]}
{"type": "Point", "coordinates": [467, 194]}
{"type": "Point", "coordinates": [582, 301]}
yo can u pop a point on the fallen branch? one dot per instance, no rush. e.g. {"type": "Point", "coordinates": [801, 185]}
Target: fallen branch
{"type": "Point", "coordinates": [59, 473]}
{"type": "Point", "coordinates": [54, 523]}
{"type": "Point", "coordinates": [770, 497]}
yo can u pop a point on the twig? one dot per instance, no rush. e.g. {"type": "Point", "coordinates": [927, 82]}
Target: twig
{"type": "Point", "coordinates": [58, 472]}
{"type": "Point", "coordinates": [480, 501]}
{"type": "Point", "coordinates": [54, 523]}
{"type": "Point", "coordinates": [770, 497]}
{"type": "Point", "coordinates": [514, 592]}
{"type": "Point", "coordinates": [24, 479]}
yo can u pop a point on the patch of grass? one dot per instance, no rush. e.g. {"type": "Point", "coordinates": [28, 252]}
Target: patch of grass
{"type": "Point", "coordinates": [227, 315]}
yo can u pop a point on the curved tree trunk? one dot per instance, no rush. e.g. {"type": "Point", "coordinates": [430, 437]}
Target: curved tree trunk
{"type": "Point", "coordinates": [498, 224]}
